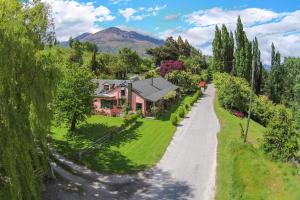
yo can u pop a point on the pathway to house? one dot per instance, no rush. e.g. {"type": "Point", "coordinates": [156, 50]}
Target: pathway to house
{"type": "Point", "coordinates": [186, 171]}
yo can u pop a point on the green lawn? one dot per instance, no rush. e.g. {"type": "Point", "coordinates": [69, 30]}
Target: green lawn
{"type": "Point", "coordinates": [137, 148]}
{"type": "Point", "coordinates": [244, 172]}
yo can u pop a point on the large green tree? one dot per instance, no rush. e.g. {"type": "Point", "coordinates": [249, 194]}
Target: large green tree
{"type": "Point", "coordinates": [73, 101]}
{"type": "Point", "coordinates": [27, 83]}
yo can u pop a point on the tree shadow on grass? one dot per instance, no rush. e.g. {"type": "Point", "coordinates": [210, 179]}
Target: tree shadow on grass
{"type": "Point", "coordinates": [156, 184]}
{"type": "Point", "coordinates": [106, 159]}
{"type": "Point", "coordinates": [110, 161]}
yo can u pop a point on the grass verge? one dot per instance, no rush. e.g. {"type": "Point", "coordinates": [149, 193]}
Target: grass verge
{"type": "Point", "coordinates": [243, 171]}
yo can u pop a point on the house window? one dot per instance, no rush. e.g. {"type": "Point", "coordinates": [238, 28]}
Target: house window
{"type": "Point", "coordinates": [106, 87]}
{"type": "Point", "coordinates": [139, 106]}
{"type": "Point", "coordinates": [122, 102]}
{"type": "Point", "coordinates": [106, 103]}
{"type": "Point", "coordinates": [123, 93]}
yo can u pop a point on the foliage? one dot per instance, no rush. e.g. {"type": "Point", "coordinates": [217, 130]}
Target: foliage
{"type": "Point", "coordinates": [169, 66]}
{"type": "Point", "coordinates": [130, 119]}
{"type": "Point", "coordinates": [174, 119]}
{"type": "Point", "coordinates": [170, 96]}
{"type": "Point", "coordinates": [171, 50]}
{"type": "Point", "coordinates": [156, 111]}
{"type": "Point", "coordinates": [181, 111]}
{"type": "Point", "coordinates": [233, 92]}
{"type": "Point", "coordinates": [243, 171]}
{"type": "Point", "coordinates": [223, 48]}
{"type": "Point", "coordinates": [128, 61]}
{"type": "Point", "coordinates": [28, 75]}
{"type": "Point", "coordinates": [185, 80]}
{"type": "Point", "coordinates": [151, 74]}
{"type": "Point", "coordinates": [74, 96]}
{"type": "Point", "coordinates": [239, 61]}
{"type": "Point", "coordinates": [280, 139]}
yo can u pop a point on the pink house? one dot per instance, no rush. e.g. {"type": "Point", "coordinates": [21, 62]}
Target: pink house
{"type": "Point", "coordinates": [111, 95]}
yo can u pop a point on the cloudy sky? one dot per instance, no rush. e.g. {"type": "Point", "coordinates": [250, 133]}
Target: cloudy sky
{"type": "Point", "coordinates": [275, 21]}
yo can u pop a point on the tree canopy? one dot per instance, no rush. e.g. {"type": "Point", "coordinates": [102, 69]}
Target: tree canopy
{"type": "Point", "coordinates": [28, 74]}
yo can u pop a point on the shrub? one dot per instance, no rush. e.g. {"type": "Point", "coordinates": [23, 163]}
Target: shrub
{"type": "Point", "coordinates": [169, 66]}
{"type": "Point", "coordinates": [174, 119]}
{"type": "Point", "coordinates": [181, 111]}
{"type": "Point", "coordinates": [130, 119]}
{"type": "Point", "coordinates": [156, 111]}
{"type": "Point", "coordinates": [187, 106]}
{"type": "Point", "coordinates": [140, 113]}
{"type": "Point", "coordinates": [280, 139]}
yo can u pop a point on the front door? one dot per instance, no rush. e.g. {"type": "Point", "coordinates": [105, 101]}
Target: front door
{"type": "Point", "coordinates": [139, 106]}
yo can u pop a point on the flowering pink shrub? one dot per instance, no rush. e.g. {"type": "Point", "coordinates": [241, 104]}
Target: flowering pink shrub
{"type": "Point", "coordinates": [238, 114]}
{"type": "Point", "coordinates": [170, 65]}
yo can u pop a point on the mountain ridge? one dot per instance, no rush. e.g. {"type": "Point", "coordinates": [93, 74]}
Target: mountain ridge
{"type": "Point", "coordinates": [112, 39]}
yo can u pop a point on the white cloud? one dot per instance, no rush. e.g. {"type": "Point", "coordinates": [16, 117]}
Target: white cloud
{"type": "Point", "coordinates": [73, 18]}
{"type": "Point", "coordinates": [127, 13]}
{"type": "Point", "coordinates": [140, 13]}
{"type": "Point", "coordinates": [119, 1]}
{"type": "Point", "coordinates": [268, 26]}
{"type": "Point", "coordinates": [172, 17]}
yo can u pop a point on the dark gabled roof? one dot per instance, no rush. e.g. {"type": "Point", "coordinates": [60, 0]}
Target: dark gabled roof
{"type": "Point", "coordinates": [102, 93]}
{"type": "Point", "coordinates": [153, 89]}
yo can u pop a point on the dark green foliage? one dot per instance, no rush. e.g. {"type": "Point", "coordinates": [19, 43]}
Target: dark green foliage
{"type": "Point", "coordinates": [77, 51]}
{"type": "Point", "coordinates": [223, 49]}
{"type": "Point", "coordinates": [280, 139]}
{"type": "Point", "coordinates": [276, 78]}
{"type": "Point", "coordinates": [28, 73]}
{"type": "Point", "coordinates": [171, 50]}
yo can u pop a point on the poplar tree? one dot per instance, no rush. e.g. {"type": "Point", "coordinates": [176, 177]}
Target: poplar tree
{"type": "Point", "coordinates": [27, 83]}
{"type": "Point", "coordinates": [243, 53]}
{"type": "Point", "coordinates": [277, 74]}
{"type": "Point", "coordinates": [217, 62]}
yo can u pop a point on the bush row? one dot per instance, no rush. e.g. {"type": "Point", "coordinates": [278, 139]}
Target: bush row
{"type": "Point", "coordinates": [280, 140]}
{"type": "Point", "coordinates": [184, 108]}
{"type": "Point", "coordinates": [233, 94]}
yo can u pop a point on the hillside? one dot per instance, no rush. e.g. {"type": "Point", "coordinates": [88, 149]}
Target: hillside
{"type": "Point", "coordinates": [112, 39]}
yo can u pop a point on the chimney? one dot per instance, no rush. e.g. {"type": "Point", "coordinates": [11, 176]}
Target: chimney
{"type": "Point", "coordinates": [129, 95]}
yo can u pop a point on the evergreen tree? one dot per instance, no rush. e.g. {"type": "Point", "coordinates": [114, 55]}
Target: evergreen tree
{"type": "Point", "coordinates": [217, 62]}
{"type": "Point", "coordinates": [181, 46]}
{"type": "Point", "coordinates": [227, 50]}
{"type": "Point", "coordinates": [188, 48]}
{"type": "Point", "coordinates": [258, 67]}
{"type": "Point", "coordinates": [277, 76]}
{"type": "Point", "coordinates": [28, 73]}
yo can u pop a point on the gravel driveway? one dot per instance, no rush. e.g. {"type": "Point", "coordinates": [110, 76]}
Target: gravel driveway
{"type": "Point", "coordinates": [187, 170]}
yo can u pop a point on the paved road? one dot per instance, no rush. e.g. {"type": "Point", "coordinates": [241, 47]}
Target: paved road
{"type": "Point", "coordinates": [186, 171]}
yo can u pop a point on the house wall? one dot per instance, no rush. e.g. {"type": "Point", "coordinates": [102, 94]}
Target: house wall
{"type": "Point", "coordinates": [117, 94]}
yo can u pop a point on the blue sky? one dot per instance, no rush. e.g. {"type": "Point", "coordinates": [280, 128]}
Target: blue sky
{"type": "Point", "coordinates": [275, 21]}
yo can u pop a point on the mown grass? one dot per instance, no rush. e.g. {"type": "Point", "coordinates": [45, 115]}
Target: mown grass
{"type": "Point", "coordinates": [244, 172]}
{"type": "Point", "coordinates": [137, 148]}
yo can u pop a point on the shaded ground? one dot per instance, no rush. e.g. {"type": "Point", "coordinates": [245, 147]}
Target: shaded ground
{"type": "Point", "coordinates": [186, 171]}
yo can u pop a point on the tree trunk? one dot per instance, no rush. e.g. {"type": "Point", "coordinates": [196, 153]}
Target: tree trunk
{"type": "Point", "coordinates": [73, 122]}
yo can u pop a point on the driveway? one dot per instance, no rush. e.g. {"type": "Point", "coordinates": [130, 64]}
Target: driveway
{"type": "Point", "coordinates": [187, 170]}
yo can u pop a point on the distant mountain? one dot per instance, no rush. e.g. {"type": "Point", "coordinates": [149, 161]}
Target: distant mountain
{"type": "Point", "coordinates": [112, 39]}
